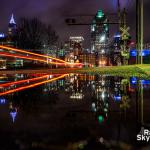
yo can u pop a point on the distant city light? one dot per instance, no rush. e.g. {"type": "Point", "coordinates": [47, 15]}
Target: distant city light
{"type": "Point", "coordinates": [102, 38]}
{"type": "Point", "coordinates": [117, 35]}
{"type": "Point", "coordinates": [103, 95]}
{"type": "Point", "coordinates": [117, 98]}
{"type": "Point", "coordinates": [102, 51]}
{"type": "Point", "coordinates": [93, 28]}
{"type": "Point", "coordinates": [77, 38]}
{"type": "Point", "coordinates": [94, 107]}
{"type": "Point", "coordinates": [100, 14]}
{"type": "Point", "coordinates": [77, 96]}
{"type": "Point", "coordinates": [102, 62]}
{"type": "Point", "coordinates": [2, 35]}
{"type": "Point", "coordinates": [105, 110]}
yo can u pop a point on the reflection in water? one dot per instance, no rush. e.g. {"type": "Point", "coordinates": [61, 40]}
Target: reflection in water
{"type": "Point", "coordinates": [86, 110]}
{"type": "Point", "coordinates": [140, 85]}
{"type": "Point", "coordinates": [2, 100]}
{"type": "Point", "coordinates": [29, 86]}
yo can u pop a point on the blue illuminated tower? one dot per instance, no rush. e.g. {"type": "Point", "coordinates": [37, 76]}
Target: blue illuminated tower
{"type": "Point", "coordinates": [12, 41]}
{"type": "Point", "coordinates": [12, 29]}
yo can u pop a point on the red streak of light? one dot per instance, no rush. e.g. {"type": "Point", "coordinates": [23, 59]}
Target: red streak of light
{"type": "Point", "coordinates": [35, 54]}
{"type": "Point", "coordinates": [25, 57]}
{"type": "Point", "coordinates": [22, 81]}
{"type": "Point", "coordinates": [32, 85]}
{"type": "Point", "coordinates": [23, 51]}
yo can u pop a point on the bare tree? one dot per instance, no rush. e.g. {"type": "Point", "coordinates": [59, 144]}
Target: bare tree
{"type": "Point", "coordinates": [33, 34]}
{"type": "Point", "coordinates": [52, 37]}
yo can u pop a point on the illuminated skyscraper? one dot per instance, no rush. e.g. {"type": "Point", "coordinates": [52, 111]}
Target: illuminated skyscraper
{"type": "Point", "coordinates": [76, 46]}
{"type": "Point", "coordinates": [99, 31]}
{"type": "Point", "coordinates": [12, 28]}
{"type": "Point", "coordinates": [99, 35]}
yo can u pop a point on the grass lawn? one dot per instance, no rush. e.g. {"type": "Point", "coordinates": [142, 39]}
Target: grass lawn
{"type": "Point", "coordinates": [142, 71]}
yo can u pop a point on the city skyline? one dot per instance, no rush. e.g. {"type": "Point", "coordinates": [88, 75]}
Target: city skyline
{"type": "Point", "coordinates": [74, 74]}
{"type": "Point", "coordinates": [56, 12]}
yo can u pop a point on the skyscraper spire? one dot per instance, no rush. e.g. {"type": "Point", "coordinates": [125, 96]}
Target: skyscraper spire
{"type": "Point", "coordinates": [12, 21]}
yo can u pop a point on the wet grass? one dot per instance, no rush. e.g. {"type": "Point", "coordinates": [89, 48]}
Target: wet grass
{"type": "Point", "coordinates": [140, 71]}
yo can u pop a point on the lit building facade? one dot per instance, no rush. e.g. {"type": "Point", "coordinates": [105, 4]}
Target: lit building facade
{"type": "Point", "coordinates": [87, 59]}
{"type": "Point", "coordinates": [99, 36]}
{"type": "Point", "coordinates": [76, 47]}
{"type": "Point", "coordinates": [76, 42]}
{"type": "Point", "coordinates": [67, 47]}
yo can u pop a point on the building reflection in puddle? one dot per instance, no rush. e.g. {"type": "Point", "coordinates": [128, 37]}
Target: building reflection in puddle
{"type": "Point", "coordinates": [102, 89]}
{"type": "Point", "coordinates": [112, 102]}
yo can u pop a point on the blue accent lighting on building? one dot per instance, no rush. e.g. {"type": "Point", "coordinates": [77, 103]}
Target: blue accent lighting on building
{"type": "Point", "coordinates": [117, 98]}
{"type": "Point", "coordinates": [2, 35]}
{"type": "Point", "coordinates": [117, 35]}
{"type": "Point", "coordinates": [145, 52]}
{"type": "Point", "coordinates": [144, 82]}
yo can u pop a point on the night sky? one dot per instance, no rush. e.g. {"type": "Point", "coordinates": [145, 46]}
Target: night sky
{"type": "Point", "coordinates": [56, 11]}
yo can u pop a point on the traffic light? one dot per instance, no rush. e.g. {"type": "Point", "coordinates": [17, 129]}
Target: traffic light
{"type": "Point", "coordinates": [129, 42]}
{"type": "Point", "coordinates": [70, 21]}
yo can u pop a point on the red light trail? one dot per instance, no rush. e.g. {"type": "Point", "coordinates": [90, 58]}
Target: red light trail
{"type": "Point", "coordinates": [32, 85]}
{"type": "Point", "coordinates": [29, 58]}
{"type": "Point", "coordinates": [22, 81]}
{"type": "Point", "coordinates": [26, 80]}
{"type": "Point", "coordinates": [35, 54]}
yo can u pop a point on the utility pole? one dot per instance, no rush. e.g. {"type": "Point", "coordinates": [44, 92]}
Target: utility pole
{"type": "Point", "coordinates": [119, 14]}
{"type": "Point", "coordinates": [139, 31]}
